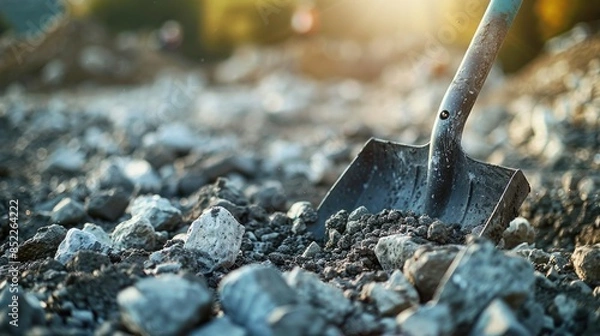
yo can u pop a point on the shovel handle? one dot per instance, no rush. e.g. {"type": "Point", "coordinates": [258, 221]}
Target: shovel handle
{"type": "Point", "coordinates": [460, 97]}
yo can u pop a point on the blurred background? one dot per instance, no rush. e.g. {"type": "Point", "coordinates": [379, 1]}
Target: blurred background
{"type": "Point", "coordinates": [33, 33]}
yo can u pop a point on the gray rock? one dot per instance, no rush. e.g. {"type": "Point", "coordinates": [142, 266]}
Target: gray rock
{"type": "Point", "coordinates": [392, 251]}
{"type": "Point", "coordinates": [175, 136]}
{"type": "Point", "coordinates": [299, 226]}
{"type": "Point", "coordinates": [159, 211]}
{"type": "Point", "coordinates": [519, 231]}
{"type": "Point", "coordinates": [109, 175]}
{"type": "Point", "coordinates": [328, 300]}
{"type": "Point", "coordinates": [99, 233]}
{"type": "Point", "coordinates": [353, 226]}
{"type": "Point", "coordinates": [219, 326]}
{"type": "Point", "coordinates": [67, 212]}
{"type": "Point", "coordinates": [141, 174]}
{"type": "Point", "coordinates": [296, 320]}
{"type": "Point", "coordinates": [251, 293]}
{"type": "Point", "coordinates": [426, 268]}
{"type": "Point", "coordinates": [358, 213]}
{"type": "Point", "coordinates": [563, 308]}
{"type": "Point", "coordinates": [428, 320]}
{"type": "Point", "coordinates": [77, 240]}
{"type": "Point", "coordinates": [218, 166]}
{"type": "Point", "coordinates": [269, 196]}
{"type": "Point", "coordinates": [66, 159]}
{"type": "Point", "coordinates": [535, 256]}
{"type": "Point", "coordinates": [479, 274]}
{"type": "Point", "coordinates": [531, 315]}
{"type": "Point", "coordinates": [388, 302]}
{"type": "Point", "coordinates": [304, 211]}
{"type": "Point", "coordinates": [438, 232]}
{"type": "Point", "coordinates": [497, 319]}
{"type": "Point", "coordinates": [43, 244]}
{"type": "Point", "coordinates": [165, 305]}
{"type": "Point", "coordinates": [134, 233]}
{"type": "Point", "coordinates": [311, 250]}
{"type": "Point", "coordinates": [337, 221]}
{"type": "Point", "coordinates": [107, 204]}
{"type": "Point", "coordinates": [19, 316]}
{"type": "Point", "coordinates": [217, 235]}
{"type": "Point", "coordinates": [333, 238]}
{"type": "Point", "coordinates": [401, 286]}
{"type": "Point", "coordinates": [586, 260]}
{"type": "Point", "coordinates": [87, 261]}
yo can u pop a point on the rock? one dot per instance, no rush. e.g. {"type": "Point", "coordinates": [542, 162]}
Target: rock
{"type": "Point", "coordinates": [165, 305]}
{"type": "Point", "coordinates": [43, 244]}
{"type": "Point", "coordinates": [427, 267]}
{"type": "Point", "coordinates": [398, 283]}
{"type": "Point", "coordinates": [66, 159]}
{"type": "Point", "coordinates": [99, 233]}
{"type": "Point", "coordinates": [159, 211]}
{"type": "Point", "coordinates": [77, 240]}
{"type": "Point", "coordinates": [20, 315]}
{"type": "Point", "coordinates": [531, 315]}
{"type": "Point", "coordinates": [217, 235]}
{"type": "Point", "coordinates": [388, 302]}
{"type": "Point", "coordinates": [107, 204]}
{"type": "Point", "coordinates": [298, 226]}
{"type": "Point", "coordinates": [392, 251]}
{"type": "Point", "coordinates": [479, 274]}
{"type": "Point", "coordinates": [586, 260]}
{"type": "Point", "coordinates": [218, 166]}
{"type": "Point", "coordinates": [269, 196]}
{"type": "Point", "coordinates": [428, 320]}
{"type": "Point", "coordinates": [134, 233]}
{"type": "Point", "coordinates": [563, 308]}
{"type": "Point", "coordinates": [535, 256]}
{"type": "Point", "coordinates": [328, 300]}
{"type": "Point", "coordinates": [219, 326]}
{"type": "Point", "coordinates": [518, 231]}
{"type": "Point", "coordinates": [67, 212]}
{"type": "Point", "coordinates": [296, 320]}
{"type": "Point", "coordinates": [498, 320]}
{"type": "Point", "coordinates": [87, 261]}
{"type": "Point", "coordinates": [337, 221]}
{"type": "Point", "coordinates": [312, 250]}
{"type": "Point", "coordinates": [438, 232]}
{"type": "Point", "coordinates": [141, 174]}
{"type": "Point", "coordinates": [250, 294]}
{"type": "Point", "coordinates": [304, 211]}
{"type": "Point", "coordinates": [353, 226]}
{"type": "Point", "coordinates": [175, 136]}
{"type": "Point", "coordinates": [109, 175]}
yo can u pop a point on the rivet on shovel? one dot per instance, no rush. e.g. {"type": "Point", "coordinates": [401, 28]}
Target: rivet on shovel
{"type": "Point", "coordinates": [439, 179]}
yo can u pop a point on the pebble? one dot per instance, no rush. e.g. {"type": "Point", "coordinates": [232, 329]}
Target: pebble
{"type": "Point", "coordinates": [67, 212]}
{"type": "Point", "coordinates": [175, 136]}
{"type": "Point", "coordinates": [43, 244]}
{"type": "Point", "coordinates": [26, 310]}
{"type": "Point", "coordinates": [498, 320]}
{"type": "Point", "coordinates": [329, 301]}
{"type": "Point", "coordinates": [141, 174]}
{"type": "Point", "coordinates": [298, 320]}
{"type": "Point", "coordinates": [164, 305]}
{"type": "Point", "coordinates": [109, 175]}
{"type": "Point", "coordinates": [218, 235]}
{"type": "Point", "coordinates": [136, 232]}
{"type": "Point", "coordinates": [586, 260]}
{"type": "Point", "coordinates": [87, 261]}
{"type": "Point", "coordinates": [428, 320]}
{"type": "Point", "coordinates": [311, 250]}
{"type": "Point", "coordinates": [388, 302]}
{"type": "Point", "coordinates": [250, 294]}
{"type": "Point", "coordinates": [479, 274]}
{"type": "Point", "coordinates": [438, 232]}
{"type": "Point", "coordinates": [77, 240]}
{"type": "Point", "coordinates": [393, 251]}
{"type": "Point", "coordinates": [427, 267]}
{"type": "Point", "coordinates": [358, 213]}
{"type": "Point", "coordinates": [269, 195]}
{"type": "Point", "coordinates": [304, 211]}
{"type": "Point", "coordinates": [107, 204]}
{"type": "Point", "coordinates": [219, 326]}
{"type": "Point", "coordinates": [99, 232]}
{"type": "Point", "coordinates": [159, 211]}
{"type": "Point", "coordinates": [518, 231]}
{"type": "Point", "coordinates": [66, 159]}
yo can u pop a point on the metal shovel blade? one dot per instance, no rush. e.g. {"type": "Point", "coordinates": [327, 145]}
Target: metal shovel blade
{"type": "Point", "coordinates": [388, 175]}
{"type": "Point", "coordinates": [439, 179]}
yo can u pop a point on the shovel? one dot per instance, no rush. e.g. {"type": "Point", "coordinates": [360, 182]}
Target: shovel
{"type": "Point", "coordinates": [439, 179]}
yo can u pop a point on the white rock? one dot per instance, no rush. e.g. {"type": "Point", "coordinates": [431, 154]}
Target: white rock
{"type": "Point", "coordinates": [134, 233]}
{"type": "Point", "coordinates": [77, 240]}
{"type": "Point", "coordinates": [159, 211]}
{"type": "Point", "coordinates": [218, 235]}
{"type": "Point", "coordinates": [393, 251]}
{"type": "Point", "coordinates": [99, 233]}
{"type": "Point", "coordinates": [140, 173]}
